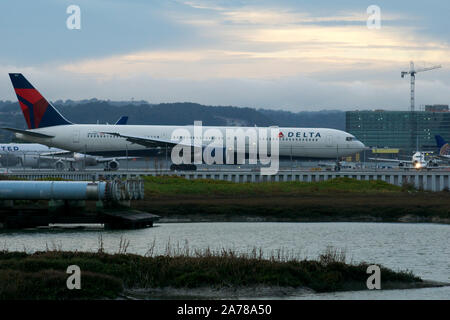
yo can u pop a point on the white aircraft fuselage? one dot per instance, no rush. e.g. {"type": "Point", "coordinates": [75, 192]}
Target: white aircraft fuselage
{"type": "Point", "coordinates": [25, 154]}
{"type": "Point", "coordinates": [96, 140]}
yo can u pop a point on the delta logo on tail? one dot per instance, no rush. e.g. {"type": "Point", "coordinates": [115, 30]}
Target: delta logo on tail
{"type": "Point", "coordinates": [444, 147]}
{"type": "Point", "coordinates": [38, 112]}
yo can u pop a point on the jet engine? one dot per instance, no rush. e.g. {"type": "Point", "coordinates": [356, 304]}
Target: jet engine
{"type": "Point", "coordinates": [112, 165]}
{"type": "Point", "coordinates": [433, 163]}
{"type": "Point", "coordinates": [30, 161]}
{"type": "Point", "coordinates": [7, 160]}
{"type": "Point", "coordinates": [60, 165]}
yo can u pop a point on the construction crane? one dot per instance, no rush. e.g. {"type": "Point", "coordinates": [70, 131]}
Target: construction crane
{"type": "Point", "coordinates": [412, 72]}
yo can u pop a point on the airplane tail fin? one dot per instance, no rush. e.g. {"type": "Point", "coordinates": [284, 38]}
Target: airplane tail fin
{"type": "Point", "coordinates": [38, 112]}
{"type": "Point", "coordinates": [122, 121]}
{"type": "Point", "coordinates": [439, 141]}
{"type": "Point", "coordinates": [444, 148]}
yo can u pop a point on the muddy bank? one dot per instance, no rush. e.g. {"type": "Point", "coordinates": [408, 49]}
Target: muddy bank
{"type": "Point", "coordinates": [237, 218]}
{"type": "Point", "coordinates": [259, 291]}
{"type": "Point", "coordinates": [338, 207]}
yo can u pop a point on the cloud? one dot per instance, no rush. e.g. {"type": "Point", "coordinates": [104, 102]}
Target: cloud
{"type": "Point", "coordinates": [272, 56]}
{"type": "Point", "coordinates": [203, 5]}
{"type": "Point", "coordinates": [275, 34]}
{"type": "Point", "coordinates": [271, 53]}
{"type": "Point", "coordinates": [324, 90]}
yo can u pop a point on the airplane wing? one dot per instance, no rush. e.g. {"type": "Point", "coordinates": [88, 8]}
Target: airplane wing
{"type": "Point", "coordinates": [151, 142]}
{"type": "Point", "coordinates": [72, 159]}
{"type": "Point", "coordinates": [67, 159]}
{"type": "Point", "coordinates": [57, 153]}
{"type": "Point", "coordinates": [390, 160]}
{"type": "Point", "coordinates": [102, 159]}
{"type": "Point", "coordinates": [442, 158]}
{"type": "Point", "coordinates": [437, 167]}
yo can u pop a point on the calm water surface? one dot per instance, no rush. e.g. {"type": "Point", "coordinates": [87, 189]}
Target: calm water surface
{"type": "Point", "coordinates": [421, 248]}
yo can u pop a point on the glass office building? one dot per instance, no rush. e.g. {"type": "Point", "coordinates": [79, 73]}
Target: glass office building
{"type": "Point", "coordinates": [399, 129]}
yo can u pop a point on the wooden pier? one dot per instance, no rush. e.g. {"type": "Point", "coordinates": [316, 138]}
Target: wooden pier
{"type": "Point", "coordinates": [130, 219]}
{"type": "Point", "coordinates": [20, 218]}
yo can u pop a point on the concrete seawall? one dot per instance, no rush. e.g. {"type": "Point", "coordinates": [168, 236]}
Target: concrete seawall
{"type": "Point", "coordinates": [433, 180]}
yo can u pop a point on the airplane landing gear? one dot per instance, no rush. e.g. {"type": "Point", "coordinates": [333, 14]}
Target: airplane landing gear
{"type": "Point", "coordinates": [183, 167]}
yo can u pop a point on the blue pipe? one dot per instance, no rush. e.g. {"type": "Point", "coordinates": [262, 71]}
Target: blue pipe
{"type": "Point", "coordinates": [52, 190]}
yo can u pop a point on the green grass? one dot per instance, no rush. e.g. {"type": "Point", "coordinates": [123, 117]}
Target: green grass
{"type": "Point", "coordinates": [42, 275]}
{"type": "Point", "coordinates": [4, 177]}
{"type": "Point", "coordinates": [178, 186]}
{"type": "Point", "coordinates": [339, 199]}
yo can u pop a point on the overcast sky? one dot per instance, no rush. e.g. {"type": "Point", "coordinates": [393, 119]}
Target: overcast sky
{"type": "Point", "coordinates": [292, 55]}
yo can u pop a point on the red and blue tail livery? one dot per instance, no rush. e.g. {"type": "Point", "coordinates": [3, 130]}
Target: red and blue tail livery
{"type": "Point", "coordinates": [38, 112]}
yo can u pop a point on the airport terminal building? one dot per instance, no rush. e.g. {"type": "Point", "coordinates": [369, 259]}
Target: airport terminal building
{"type": "Point", "coordinates": [401, 130]}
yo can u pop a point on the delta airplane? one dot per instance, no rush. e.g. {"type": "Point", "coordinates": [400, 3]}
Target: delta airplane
{"type": "Point", "coordinates": [47, 126]}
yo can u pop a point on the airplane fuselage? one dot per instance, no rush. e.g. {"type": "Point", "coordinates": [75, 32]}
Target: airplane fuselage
{"type": "Point", "coordinates": [26, 154]}
{"type": "Point", "coordinates": [95, 140]}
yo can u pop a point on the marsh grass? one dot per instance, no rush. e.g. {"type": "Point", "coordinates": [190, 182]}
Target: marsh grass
{"type": "Point", "coordinates": [174, 185]}
{"type": "Point", "coordinates": [340, 199]}
{"type": "Point", "coordinates": [42, 275]}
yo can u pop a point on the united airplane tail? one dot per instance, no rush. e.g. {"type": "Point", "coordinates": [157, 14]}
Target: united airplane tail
{"type": "Point", "coordinates": [38, 112]}
{"type": "Point", "coordinates": [122, 121]}
{"type": "Point", "coordinates": [444, 148]}
{"type": "Point", "coordinates": [440, 141]}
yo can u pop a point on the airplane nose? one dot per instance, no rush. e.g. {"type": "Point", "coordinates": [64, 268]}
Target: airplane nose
{"type": "Point", "coordinates": [360, 146]}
